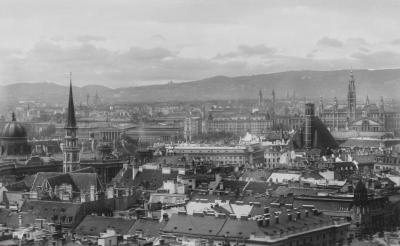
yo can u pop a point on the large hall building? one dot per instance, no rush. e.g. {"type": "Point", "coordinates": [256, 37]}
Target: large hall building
{"type": "Point", "coordinates": [368, 117]}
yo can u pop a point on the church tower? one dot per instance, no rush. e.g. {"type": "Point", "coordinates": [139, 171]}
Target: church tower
{"type": "Point", "coordinates": [321, 107]}
{"type": "Point", "coordinates": [273, 102]}
{"type": "Point", "coordinates": [351, 98]}
{"type": "Point", "coordinates": [71, 149]}
{"type": "Point", "coordinates": [260, 100]}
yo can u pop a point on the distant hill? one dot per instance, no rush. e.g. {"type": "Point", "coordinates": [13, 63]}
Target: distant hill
{"type": "Point", "coordinates": [310, 84]}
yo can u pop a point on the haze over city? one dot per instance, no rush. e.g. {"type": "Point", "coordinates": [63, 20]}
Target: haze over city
{"type": "Point", "coordinates": [129, 43]}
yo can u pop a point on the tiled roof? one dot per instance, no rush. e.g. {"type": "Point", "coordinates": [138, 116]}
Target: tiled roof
{"type": "Point", "coordinates": [214, 227]}
{"type": "Point", "coordinates": [40, 177]}
{"type": "Point", "coordinates": [256, 175]}
{"type": "Point", "coordinates": [62, 179]}
{"type": "Point", "coordinates": [148, 178]}
{"type": "Point", "coordinates": [10, 219]}
{"type": "Point", "coordinates": [94, 225]}
{"type": "Point", "coordinates": [284, 191]}
{"type": "Point", "coordinates": [153, 179]}
{"type": "Point", "coordinates": [47, 209]}
{"type": "Point", "coordinates": [149, 227]}
{"type": "Point", "coordinates": [83, 181]}
{"type": "Point", "coordinates": [18, 186]}
{"type": "Point", "coordinates": [206, 226]}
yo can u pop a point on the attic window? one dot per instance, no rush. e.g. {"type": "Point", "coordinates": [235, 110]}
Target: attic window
{"type": "Point", "coordinates": [190, 229]}
{"type": "Point", "coordinates": [175, 228]}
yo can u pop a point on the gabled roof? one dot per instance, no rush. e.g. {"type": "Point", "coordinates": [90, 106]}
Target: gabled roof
{"type": "Point", "coordinates": [94, 225]}
{"type": "Point", "coordinates": [60, 180]}
{"type": "Point", "coordinates": [79, 181]}
{"type": "Point", "coordinates": [40, 177]}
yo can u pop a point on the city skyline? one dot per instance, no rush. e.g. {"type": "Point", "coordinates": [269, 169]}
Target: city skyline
{"type": "Point", "coordinates": [130, 43]}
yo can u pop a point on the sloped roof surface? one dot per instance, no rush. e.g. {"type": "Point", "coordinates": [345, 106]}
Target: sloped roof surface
{"type": "Point", "coordinates": [94, 225]}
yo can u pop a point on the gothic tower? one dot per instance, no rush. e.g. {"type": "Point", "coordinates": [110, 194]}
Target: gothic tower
{"type": "Point", "coordinates": [321, 107]}
{"type": "Point", "coordinates": [351, 99]}
{"type": "Point", "coordinates": [71, 149]}
{"type": "Point", "coordinates": [260, 99]}
{"type": "Point", "coordinates": [273, 102]}
{"type": "Point", "coordinates": [382, 112]}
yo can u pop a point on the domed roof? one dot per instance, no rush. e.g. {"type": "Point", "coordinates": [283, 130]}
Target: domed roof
{"type": "Point", "coordinates": [14, 129]}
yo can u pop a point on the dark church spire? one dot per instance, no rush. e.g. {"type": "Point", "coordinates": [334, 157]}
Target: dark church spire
{"type": "Point", "coordinates": [71, 121]}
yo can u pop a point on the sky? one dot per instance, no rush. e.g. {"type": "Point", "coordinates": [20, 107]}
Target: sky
{"type": "Point", "coordinates": [120, 43]}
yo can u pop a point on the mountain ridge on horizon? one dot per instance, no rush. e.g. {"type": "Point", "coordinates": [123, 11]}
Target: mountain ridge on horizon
{"type": "Point", "coordinates": [305, 83]}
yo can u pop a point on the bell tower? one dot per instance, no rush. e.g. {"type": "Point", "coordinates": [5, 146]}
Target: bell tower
{"type": "Point", "coordinates": [71, 149]}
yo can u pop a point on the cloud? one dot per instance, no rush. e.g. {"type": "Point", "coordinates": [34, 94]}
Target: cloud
{"type": "Point", "coordinates": [396, 41]}
{"type": "Point", "coordinates": [141, 54]}
{"type": "Point", "coordinates": [378, 59]}
{"type": "Point", "coordinates": [90, 38]}
{"type": "Point", "coordinates": [248, 51]}
{"type": "Point", "coordinates": [330, 42]}
{"type": "Point", "coordinates": [356, 41]}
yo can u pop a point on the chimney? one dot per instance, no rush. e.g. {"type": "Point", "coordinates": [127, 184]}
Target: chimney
{"type": "Point", "coordinates": [298, 215]}
{"type": "Point", "coordinates": [135, 171]}
{"type": "Point", "coordinates": [266, 210]}
{"type": "Point", "coordinates": [233, 216]}
{"type": "Point", "coordinates": [306, 213]}
{"type": "Point", "coordinates": [244, 217]}
{"type": "Point", "coordinates": [289, 217]}
{"type": "Point", "coordinates": [309, 113]}
{"type": "Point", "coordinates": [260, 222]}
{"type": "Point", "coordinates": [92, 193]}
{"type": "Point", "coordinates": [276, 219]}
{"type": "Point", "coordinates": [266, 222]}
{"type": "Point", "coordinates": [221, 216]}
{"type": "Point", "coordinates": [182, 213]}
{"type": "Point", "coordinates": [20, 220]}
{"type": "Point", "coordinates": [83, 197]}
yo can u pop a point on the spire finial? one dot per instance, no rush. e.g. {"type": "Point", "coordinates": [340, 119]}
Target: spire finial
{"type": "Point", "coordinates": [13, 117]}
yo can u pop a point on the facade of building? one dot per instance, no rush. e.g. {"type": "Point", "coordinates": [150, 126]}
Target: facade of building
{"type": "Point", "coordinates": [237, 155]}
{"type": "Point", "coordinates": [239, 124]}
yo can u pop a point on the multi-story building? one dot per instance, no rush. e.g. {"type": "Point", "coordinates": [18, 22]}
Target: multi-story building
{"type": "Point", "coordinates": [239, 124]}
{"type": "Point", "coordinates": [273, 227]}
{"type": "Point", "coordinates": [235, 155]}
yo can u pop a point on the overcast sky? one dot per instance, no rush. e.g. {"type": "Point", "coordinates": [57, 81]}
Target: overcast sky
{"type": "Point", "coordinates": [125, 43]}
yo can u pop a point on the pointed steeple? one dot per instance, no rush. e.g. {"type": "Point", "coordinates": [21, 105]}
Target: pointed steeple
{"type": "Point", "coordinates": [13, 117]}
{"type": "Point", "coordinates": [367, 101]}
{"type": "Point", "coordinates": [71, 121]}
